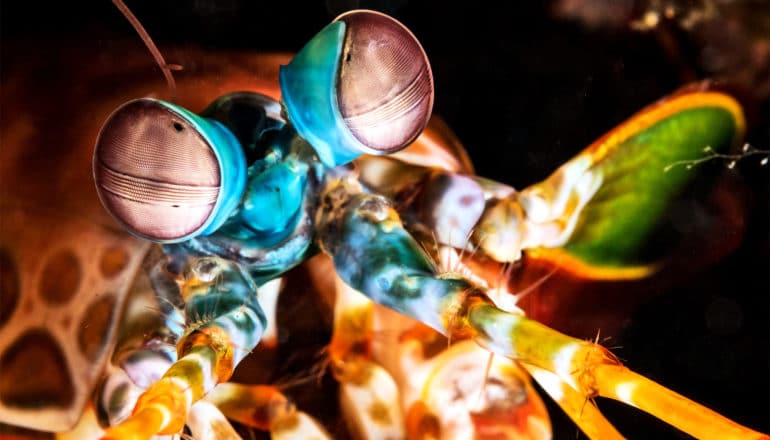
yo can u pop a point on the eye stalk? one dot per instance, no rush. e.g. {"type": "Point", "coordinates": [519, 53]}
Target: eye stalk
{"type": "Point", "coordinates": [362, 85]}
{"type": "Point", "coordinates": [166, 174]}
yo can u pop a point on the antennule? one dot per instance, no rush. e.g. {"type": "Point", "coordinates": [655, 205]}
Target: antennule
{"type": "Point", "coordinates": [165, 68]}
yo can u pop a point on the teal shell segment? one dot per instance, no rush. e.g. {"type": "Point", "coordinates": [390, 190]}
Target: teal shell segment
{"type": "Point", "coordinates": [274, 197]}
{"type": "Point", "coordinates": [380, 259]}
{"type": "Point", "coordinates": [309, 91]}
{"type": "Point", "coordinates": [229, 303]}
{"type": "Point", "coordinates": [232, 167]}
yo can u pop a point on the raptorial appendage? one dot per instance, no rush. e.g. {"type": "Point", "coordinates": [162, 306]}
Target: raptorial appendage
{"type": "Point", "coordinates": [374, 254]}
{"type": "Point", "coordinates": [224, 322]}
{"type": "Point", "coordinates": [148, 353]}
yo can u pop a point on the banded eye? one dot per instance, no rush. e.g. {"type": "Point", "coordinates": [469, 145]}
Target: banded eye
{"type": "Point", "coordinates": [157, 170]}
{"type": "Point", "coordinates": [385, 85]}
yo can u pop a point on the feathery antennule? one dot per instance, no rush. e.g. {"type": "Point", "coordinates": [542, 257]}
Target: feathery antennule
{"type": "Point", "coordinates": [165, 68]}
{"type": "Point", "coordinates": [732, 159]}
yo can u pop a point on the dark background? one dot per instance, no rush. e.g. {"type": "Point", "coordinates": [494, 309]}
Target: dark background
{"type": "Point", "coordinates": [524, 91]}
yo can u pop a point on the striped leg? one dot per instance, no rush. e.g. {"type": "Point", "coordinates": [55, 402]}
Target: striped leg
{"type": "Point", "coordinates": [224, 322]}
{"type": "Point", "coordinates": [119, 394]}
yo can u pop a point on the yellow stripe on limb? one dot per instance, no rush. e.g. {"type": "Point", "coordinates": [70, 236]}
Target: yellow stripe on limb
{"type": "Point", "coordinates": [619, 383]}
{"type": "Point", "coordinates": [578, 407]}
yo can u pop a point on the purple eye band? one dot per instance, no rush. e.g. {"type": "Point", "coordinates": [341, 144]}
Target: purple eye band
{"type": "Point", "coordinates": [140, 189]}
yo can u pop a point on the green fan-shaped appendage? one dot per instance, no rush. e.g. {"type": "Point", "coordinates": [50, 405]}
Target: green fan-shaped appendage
{"type": "Point", "coordinates": [642, 165]}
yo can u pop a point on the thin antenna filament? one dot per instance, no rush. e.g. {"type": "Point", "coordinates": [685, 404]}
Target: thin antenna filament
{"type": "Point", "coordinates": [165, 68]}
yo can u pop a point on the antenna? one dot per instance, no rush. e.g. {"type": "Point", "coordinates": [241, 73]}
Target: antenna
{"type": "Point", "coordinates": [165, 68]}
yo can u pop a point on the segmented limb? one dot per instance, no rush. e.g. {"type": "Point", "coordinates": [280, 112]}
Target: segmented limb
{"type": "Point", "coordinates": [385, 362]}
{"type": "Point", "coordinates": [206, 421]}
{"type": "Point", "coordinates": [265, 407]}
{"type": "Point", "coordinates": [590, 369]}
{"type": "Point", "coordinates": [369, 397]}
{"type": "Point", "coordinates": [120, 392]}
{"type": "Point", "coordinates": [151, 326]}
{"type": "Point", "coordinates": [581, 410]}
{"type": "Point", "coordinates": [268, 299]}
{"type": "Point", "coordinates": [146, 355]}
{"type": "Point", "coordinates": [224, 322]}
{"type": "Point", "coordinates": [467, 393]}
{"type": "Point", "coordinates": [374, 254]}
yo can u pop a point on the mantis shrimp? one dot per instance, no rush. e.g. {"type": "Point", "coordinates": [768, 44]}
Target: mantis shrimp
{"type": "Point", "coordinates": [264, 203]}
{"type": "Point", "coordinates": [290, 182]}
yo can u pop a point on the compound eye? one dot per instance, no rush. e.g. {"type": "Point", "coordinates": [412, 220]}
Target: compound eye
{"type": "Point", "coordinates": [155, 172]}
{"type": "Point", "coordinates": [385, 84]}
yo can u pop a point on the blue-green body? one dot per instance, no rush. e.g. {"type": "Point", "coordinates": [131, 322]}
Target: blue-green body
{"type": "Point", "coordinates": [287, 191]}
{"type": "Point", "coordinates": [269, 230]}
